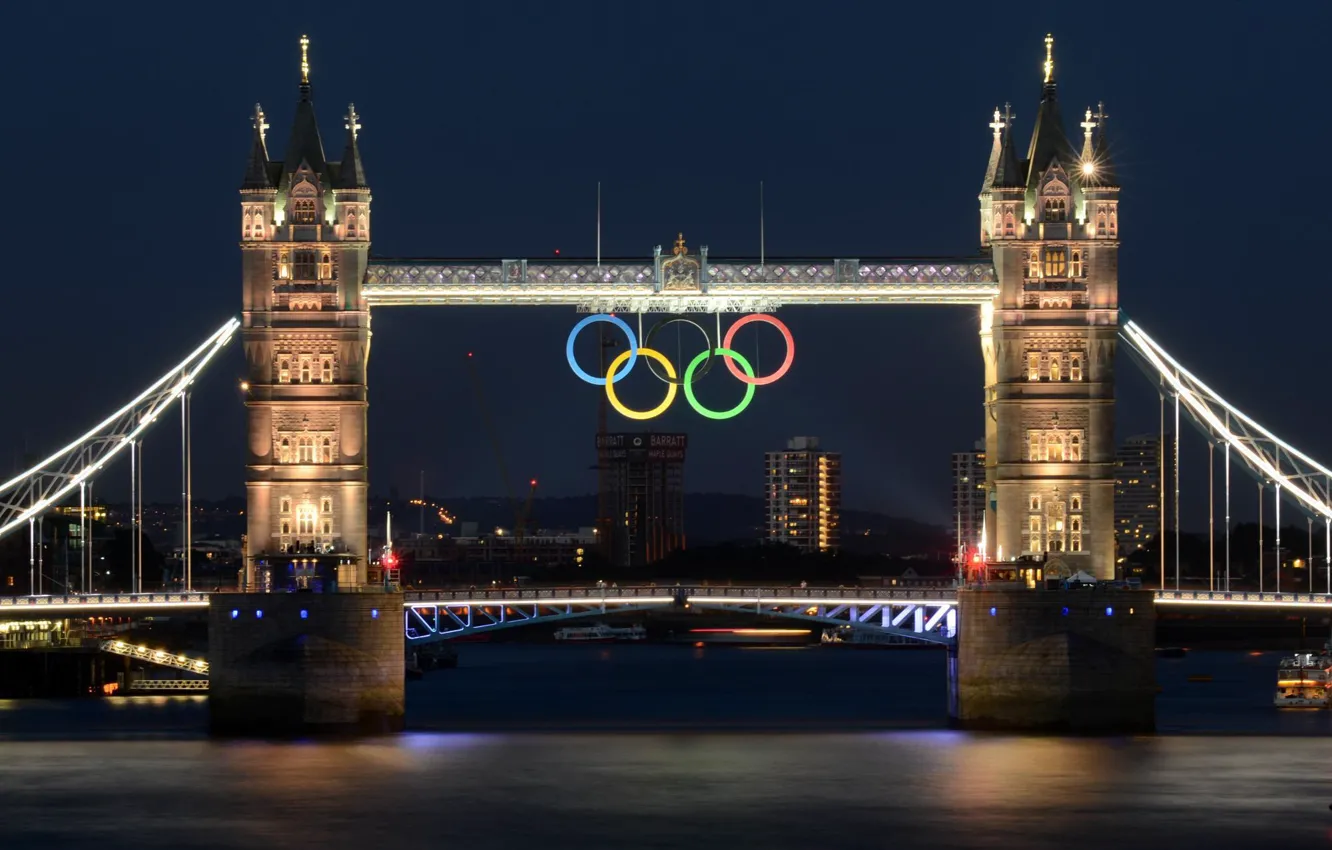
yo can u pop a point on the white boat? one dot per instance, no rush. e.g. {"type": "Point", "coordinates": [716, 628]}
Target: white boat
{"type": "Point", "coordinates": [1303, 680]}
{"type": "Point", "coordinates": [601, 633]}
{"type": "Point", "coordinates": [864, 637]}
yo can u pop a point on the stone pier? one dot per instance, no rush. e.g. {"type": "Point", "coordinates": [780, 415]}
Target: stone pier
{"type": "Point", "coordinates": [1069, 661]}
{"type": "Point", "coordinates": [295, 664]}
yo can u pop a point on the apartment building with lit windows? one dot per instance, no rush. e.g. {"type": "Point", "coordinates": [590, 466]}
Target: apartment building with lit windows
{"type": "Point", "coordinates": [803, 490]}
{"type": "Point", "coordinates": [1139, 463]}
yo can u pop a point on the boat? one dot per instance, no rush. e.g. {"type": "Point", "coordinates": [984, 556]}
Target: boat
{"type": "Point", "coordinates": [601, 633]}
{"type": "Point", "coordinates": [850, 636]}
{"type": "Point", "coordinates": [1303, 680]}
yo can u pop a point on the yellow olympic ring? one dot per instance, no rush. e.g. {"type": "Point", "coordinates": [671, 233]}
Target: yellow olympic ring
{"type": "Point", "coordinates": [651, 354]}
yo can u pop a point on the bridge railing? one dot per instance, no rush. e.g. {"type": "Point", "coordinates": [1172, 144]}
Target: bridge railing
{"type": "Point", "coordinates": [594, 594]}
{"type": "Point", "coordinates": [104, 600]}
{"type": "Point", "coordinates": [1241, 597]}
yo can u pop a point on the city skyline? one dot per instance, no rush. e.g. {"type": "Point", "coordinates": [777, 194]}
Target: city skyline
{"type": "Point", "coordinates": [927, 356]}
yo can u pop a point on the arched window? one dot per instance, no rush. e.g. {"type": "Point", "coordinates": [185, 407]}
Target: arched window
{"type": "Point", "coordinates": [305, 520]}
{"type": "Point", "coordinates": [326, 451]}
{"type": "Point", "coordinates": [1100, 225]}
{"type": "Point", "coordinates": [1054, 448]}
{"type": "Point", "coordinates": [1056, 209]}
{"type": "Point", "coordinates": [305, 266]}
{"type": "Point", "coordinates": [1075, 448]}
{"type": "Point", "coordinates": [305, 372]}
{"type": "Point", "coordinates": [326, 506]}
{"type": "Point", "coordinates": [303, 211]}
{"type": "Point", "coordinates": [286, 527]}
{"type": "Point", "coordinates": [326, 371]}
{"type": "Point", "coordinates": [325, 266]}
{"type": "Point", "coordinates": [1034, 445]}
{"type": "Point", "coordinates": [306, 447]}
{"type": "Point", "coordinates": [245, 228]}
{"type": "Point", "coordinates": [284, 266]}
{"type": "Point", "coordinates": [258, 225]}
{"type": "Point", "coordinates": [1033, 366]}
{"type": "Point", "coordinates": [327, 527]}
{"type": "Point", "coordinates": [1114, 223]}
{"type": "Point", "coordinates": [1009, 225]}
{"type": "Point", "coordinates": [1075, 368]}
{"type": "Point", "coordinates": [349, 230]}
{"type": "Point", "coordinates": [1035, 503]}
{"type": "Point", "coordinates": [1075, 265]}
{"type": "Point", "coordinates": [284, 451]}
{"type": "Point", "coordinates": [286, 506]}
{"type": "Point", "coordinates": [284, 371]}
{"type": "Point", "coordinates": [1056, 261]}
{"type": "Point", "coordinates": [1054, 368]}
{"type": "Point", "coordinates": [1075, 502]}
{"type": "Point", "coordinates": [1075, 524]}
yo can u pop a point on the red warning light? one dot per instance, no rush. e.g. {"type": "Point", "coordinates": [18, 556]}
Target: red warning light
{"type": "Point", "coordinates": [557, 252]}
{"type": "Point", "coordinates": [975, 559]}
{"type": "Point", "coordinates": [533, 482]}
{"type": "Point", "coordinates": [389, 560]}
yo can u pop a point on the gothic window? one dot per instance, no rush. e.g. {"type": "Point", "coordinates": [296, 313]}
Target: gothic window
{"type": "Point", "coordinates": [1100, 224]}
{"type": "Point", "coordinates": [325, 266]}
{"type": "Point", "coordinates": [286, 506]}
{"type": "Point", "coordinates": [305, 266]}
{"type": "Point", "coordinates": [1056, 262]}
{"type": "Point", "coordinates": [349, 230]}
{"type": "Point", "coordinates": [305, 371]}
{"type": "Point", "coordinates": [284, 451]}
{"type": "Point", "coordinates": [327, 527]}
{"type": "Point", "coordinates": [1075, 265]}
{"type": "Point", "coordinates": [1033, 366]}
{"type": "Point", "coordinates": [1035, 543]}
{"type": "Point", "coordinates": [326, 505]}
{"type": "Point", "coordinates": [303, 211]}
{"type": "Point", "coordinates": [245, 227]}
{"type": "Point", "coordinates": [1075, 368]}
{"type": "Point", "coordinates": [326, 451]}
{"type": "Point", "coordinates": [286, 527]}
{"type": "Point", "coordinates": [284, 371]}
{"type": "Point", "coordinates": [1009, 224]}
{"type": "Point", "coordinates": [1054, 448]}
{"type": "Point", "coordinates": [306, 447]}
{"type": "Point", "coordinates": [1114, 223]}
{"type": "Point", "coordinates": [258, 225]}
{"type": "Point", "coordinates": [1033, 445]}
{"type": "Point", "coordinates": [1056, 209]}
{"type": "Point", "coordinates": [1075, 448]}
{"type": "Point", "coordinates": [305, 520]}
{"type": "Point", "coordinates": [326, 371]}
{"type": "Point", "coordinates": [1075, 542]}
{"type": "Point", "coordinates": [1055, 374]}
{"type": "Point", "coordinates": [284, 265]}
{"type": "Point", "coordinates": [1075, 524]}
{"type": "Point", "coordinates": [1075, 502]}
{"type": "Point", "coordinates": [1035, 503]}
{"type": "Point", "coordinates": [362, 226]}
{"type": "Point", "coordinates": [1034, 264]}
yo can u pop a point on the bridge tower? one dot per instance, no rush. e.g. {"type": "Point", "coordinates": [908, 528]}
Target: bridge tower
{"type": "Point", "coordinates": [1051, 224]}
{"type": "Point", "coordinates": [305, 238]}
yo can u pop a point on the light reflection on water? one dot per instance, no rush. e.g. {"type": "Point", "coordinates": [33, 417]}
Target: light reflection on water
{"type": "Point", "coordinates": [137, 772]}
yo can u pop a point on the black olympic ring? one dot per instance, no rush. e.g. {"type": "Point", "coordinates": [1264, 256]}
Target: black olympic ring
{"type": "Point", "coordinates": [707, 365]}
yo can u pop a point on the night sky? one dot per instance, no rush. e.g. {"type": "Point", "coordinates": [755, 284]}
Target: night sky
{"type": "Point", "coordinates": [487, 127]}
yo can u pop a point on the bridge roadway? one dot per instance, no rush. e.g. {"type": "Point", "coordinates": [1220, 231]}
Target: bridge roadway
{"type": "Point", "coordinates": [923, 613]}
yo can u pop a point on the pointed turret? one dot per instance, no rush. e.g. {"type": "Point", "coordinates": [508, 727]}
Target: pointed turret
{"type": "Point", "coordinates": [351, 174]}
{"type": "Point", "coordinates": [1104, 165]}
{"type": "Point", "coordinates": [258, 171]}
{"type": "Point", "coordinates": [304, 144]}
{"type": "Point", "coordinates": [1048, 142]}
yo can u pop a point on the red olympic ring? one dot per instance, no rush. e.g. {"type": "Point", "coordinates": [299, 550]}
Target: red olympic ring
{"type": "Point", "coordinates": [730, 338]}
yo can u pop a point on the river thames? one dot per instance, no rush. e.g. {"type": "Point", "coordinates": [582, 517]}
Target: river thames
{"type": "Point", "coordinates": [594, 747]}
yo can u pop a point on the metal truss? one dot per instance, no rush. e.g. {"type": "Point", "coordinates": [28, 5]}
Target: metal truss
{"type": "Point", "coordinates": [41, 487]}
{"type": "Point", "coordinates": [155, 656]}
{"type": "Point", "coordinates": [428, 622]}
{"type": "Point", "coordinates": [158, 685]}
{"type": "Point", "coordinates": [1267, 456]}
{"type": "Point", "coordinates": [635, 286]}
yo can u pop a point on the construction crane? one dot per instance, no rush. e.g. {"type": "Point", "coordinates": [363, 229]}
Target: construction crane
{"type": "Point", "coordinates": [520, 514]}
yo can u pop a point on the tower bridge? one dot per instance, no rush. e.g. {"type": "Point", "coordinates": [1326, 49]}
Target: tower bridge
{"type": "Point", "coordinates": [1044, 283]}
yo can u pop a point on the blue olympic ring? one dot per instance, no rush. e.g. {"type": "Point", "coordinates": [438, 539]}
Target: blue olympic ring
{"type": "Point", "coordinates": [619, 323]}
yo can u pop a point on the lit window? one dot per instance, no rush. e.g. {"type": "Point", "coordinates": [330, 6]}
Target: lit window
{"type": "Point", "coordinates": [1075, 266]}
{"type": "Point", "coordinates": [1056, 210]}
{"type": "Point", "coordinates": [1056, 262]}
{"type": "Point", "coordinates": [1075, 502]}
{"type": "Point", "coordinates": [286, 506]}
{"type": "Point", "coordinates": [326, 371]}
{"type": "Point", "coordinates": [284, 265]}
{"type": "Point", "coordinates": [1075, 368]}
{"type": "Point", "coordinates": [1054, 368]}
{"type": "Point", "coordinates": [326, 506]}
{"type": "Point", "coordinates": [326, 451]}
{"type": "Point", "coordinates": [303, 211]}
{"type": "Point", "coordinates": [286, 527]}
{"type": "Point", "coordinates": [1033, 366]}
{"type": "Point", "coordinates": [1009, 224]}
{"type": "Point", "coordinates": [349, 230]}
{"type": "Point", "coordinates": [1034, 264]}
{"type": "Point", "coordinates": [305, 520]}
{"type": "Point", "coordinates": [1033, 445]}
{"type": "Point", "coordinates": [327, 528]}
{"type": "Point", "coordinates": [1075, 523]}
{"type": "Point", "coordinates": [1035, 503]}
{"type": "Point", "coordinates": [245, 227]}
{"type": "Point", "coordinates": [1114, 223]}
{"type": "Point", "coordinates": [1075, 448]}
{"type": "Point", "coordinates": [1054, 448]}
{"type": "Point", "coordinates": [305, 371]}
{"type": "Point", "coordinates": [325, 266]}
{"type": "Point", "coordinates": [284, 371]}
{"type": "Point", "coordinates": [305, 446]}
{"type": "Point", "coordinates": [1075, 544]}
{"type": "Point", "coordinates": [284, 452]}
{"type": "Point", "coordinates": [258, 225]}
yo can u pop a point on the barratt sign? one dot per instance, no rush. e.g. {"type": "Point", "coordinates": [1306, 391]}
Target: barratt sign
{"type": "Point", "coordinates": [642, 446]}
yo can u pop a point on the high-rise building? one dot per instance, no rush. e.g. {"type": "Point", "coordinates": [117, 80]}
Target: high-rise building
{"type": "Point", "coordinates": [1138, 466]}
{"type": "Point", "coordinates": [1049, 219]}
{"type": "Point", "coordinates": [804, 496]}
{"type": "Point", "coordinates": [969, 495]}
{"type": "Point", "coordinates": [645, 495]}
{"type": "Point", "coordinates": [305, 239]}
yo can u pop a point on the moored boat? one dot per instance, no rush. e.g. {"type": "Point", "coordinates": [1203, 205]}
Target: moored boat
{"type": "Point", "coordinates": [1303, 680]}
{"type": "Point", "coordinates": [600, 633]}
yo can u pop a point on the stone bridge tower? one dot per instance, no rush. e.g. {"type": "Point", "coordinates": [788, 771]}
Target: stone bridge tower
{"type": "Point", "coordinates": [1051, 224]}
{"type": "Point", "coordinates": [305, 237]}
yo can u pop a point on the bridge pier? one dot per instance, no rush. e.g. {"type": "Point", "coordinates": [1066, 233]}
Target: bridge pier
{"type": "Point", "coordinates": [297, 664]}
{"type": "Point", "coordinates": [1079, 661]}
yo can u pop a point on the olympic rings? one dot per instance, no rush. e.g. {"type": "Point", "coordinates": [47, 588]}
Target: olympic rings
{"type": "Point", "coordinates": [736, 363]}
{"type": "Point", "coordinates": [652, 354]}
{"type": "Point", "coordinates": [631, 354]}
{"type": "Point", "coordinates": [689, 385]}
{"type": "Point", "coordinates": [786, 335]}
{"type": "Point", "coordinates": [647, 342]}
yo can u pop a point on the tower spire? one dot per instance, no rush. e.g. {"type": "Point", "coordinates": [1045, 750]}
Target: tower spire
{"type": "Point", "coordinates": [305, 67]}
{"type": "Point", "coordinates": [256, 169]}
{"type": "Point", "coordinates": [1049, 59]}
{"type": "Point", "coordinates": [351, 174]}
{"type": "Point", "coordinates": [1087, 126]}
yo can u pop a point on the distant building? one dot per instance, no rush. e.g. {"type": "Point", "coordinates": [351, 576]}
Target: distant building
{"type": "Point", "coordinates": [804, 496]}
{"type": "Point", "coordinates": [645, 495]}
{"type": "Point", "coordinates": [969, 494]}
{"type": "Point", "coordinates": [1138, 465]}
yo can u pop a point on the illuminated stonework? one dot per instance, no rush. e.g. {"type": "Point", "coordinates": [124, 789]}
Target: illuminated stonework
{"type": "Point", "coordinates": [1051, 222]}
{"type": "Point", "coordinates": [305, 225]}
